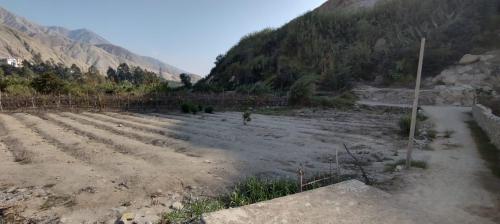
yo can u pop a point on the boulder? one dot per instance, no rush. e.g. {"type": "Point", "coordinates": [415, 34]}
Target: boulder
{"type": "Point", "coordinates": [469, 59]}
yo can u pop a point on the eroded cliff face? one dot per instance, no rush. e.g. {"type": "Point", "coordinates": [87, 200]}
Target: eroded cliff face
{"type": "Point", "coordinates": [480, 72]}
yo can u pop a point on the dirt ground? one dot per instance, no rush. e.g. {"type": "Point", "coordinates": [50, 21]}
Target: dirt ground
{"type": "Point", "coordinates": [457, 187]}
{"type": "Point", "coordinates": [88, 167]}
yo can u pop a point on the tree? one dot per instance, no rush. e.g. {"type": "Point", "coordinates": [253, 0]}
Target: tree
{"type": "Point", "coordinates": [186, 80]}
{"type": "Point", "coordinates": [75, 70]}
{"type": "Point", "coordinates": [48, 83]}
{"type": "Point", "coordinates": [123, 72]}
{"type": "Point", "coordinates": [112, 75]}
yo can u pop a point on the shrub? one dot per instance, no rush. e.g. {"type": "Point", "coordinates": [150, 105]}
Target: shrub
{"type": "Point", "coordinates": [19, 90]}
{"type": "Point", "coordinates": [255, 190]}
{"type": "Point", "coordinates": [186, 108]}
{"type": "Point", "coordinates": [194, 109]}
{"type": "Point", "coordinates": [246, 117]}
{"type": "Point", "coordinates": [48, 83]}
{"type": "Point", "coordinates": [192, 211]}
{"type": "Point", "coordinates": [405, 125]}
{"type": "Point", "coordinates": [302, 91]}
{"type": "Point", "coordinates": [414, 163]}
{"type": "Point", "coordinates": [209, 110]}
{"type": "Point", "coordinates": [345, 100]}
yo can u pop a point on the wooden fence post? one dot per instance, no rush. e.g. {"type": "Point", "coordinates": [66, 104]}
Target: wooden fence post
{"type": "Point", "coordinates": [301, 177]}
{"type": "Point", "coordinates": [337, 164]}
{"type": "Point", "coordinates": [33, 102]}
{"type": "Point", "coordinates": [415, 106]}
{"type": "Point", "coordinates": [1, 106]}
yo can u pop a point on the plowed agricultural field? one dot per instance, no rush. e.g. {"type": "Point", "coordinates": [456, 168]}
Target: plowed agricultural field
{"type": "Point", "coordinates": [86, 167]}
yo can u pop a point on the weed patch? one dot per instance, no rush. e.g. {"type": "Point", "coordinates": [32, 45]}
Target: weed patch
{"type": "Point", "coordinates": [390, 167]}
{"type": "Point", "coordinates": [250, 191]}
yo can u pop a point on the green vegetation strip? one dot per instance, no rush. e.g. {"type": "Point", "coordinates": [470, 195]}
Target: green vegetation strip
{"type": "Point", "coordinates": [250, 191]}
{"type": "Point", "coordinates": [488, 151]}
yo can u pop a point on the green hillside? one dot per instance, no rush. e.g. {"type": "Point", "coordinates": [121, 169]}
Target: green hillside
{"type": "Point", "coordinates": [341, 46]}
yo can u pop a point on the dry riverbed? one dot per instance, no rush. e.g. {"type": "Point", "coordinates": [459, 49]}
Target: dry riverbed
{"type": "Point", "coordinates": [87, 167]}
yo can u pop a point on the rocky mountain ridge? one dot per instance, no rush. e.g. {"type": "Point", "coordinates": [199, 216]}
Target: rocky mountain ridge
{"type": "Point", "coordinates": [22, 38]}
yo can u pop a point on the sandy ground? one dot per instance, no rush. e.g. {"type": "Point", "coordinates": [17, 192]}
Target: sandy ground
{"type": "Point", "coordinates": [81, 168]}
{"type": "Point", "coordinates": [457, 187]}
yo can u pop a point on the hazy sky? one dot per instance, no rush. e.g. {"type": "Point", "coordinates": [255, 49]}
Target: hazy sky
{"type": "Point", "coordinates": [186, 33]}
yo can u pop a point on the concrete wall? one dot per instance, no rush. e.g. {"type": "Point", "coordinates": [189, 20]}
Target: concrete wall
{"type": "Point", "coordinates": [488, 122]}
{"type": "Point", "coordinates": [350, 202]}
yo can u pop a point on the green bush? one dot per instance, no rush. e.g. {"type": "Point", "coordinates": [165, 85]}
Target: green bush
{"type": "Point", "coordinates": [255, 190]}
{"type": "Point", "coordinates": [192, 211]}
{"type": "Point", "coordinates": [405, 125]}
{"type": "Point", "coordinates": [194, 109]}
{"type": "Point", "coordinates": [20, 90]}
{"type": "Point", "coordinates": [246, 117]}
{"type": "Point", "coordinates": [186, 108]}
{"type": "Point", "coordinates": [345, 100]}
{"type": "Point", "coordinates": [48, 83]}
{"type": "Point", "coordinates": [302, 91]}
{"type": "Point", "coordinates": [209, 110]}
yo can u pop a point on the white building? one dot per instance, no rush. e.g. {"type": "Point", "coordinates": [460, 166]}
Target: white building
{"type": "Point", "coordinates": [14, 62]}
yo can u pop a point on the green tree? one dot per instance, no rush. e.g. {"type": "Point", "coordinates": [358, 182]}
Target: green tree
{"type": "Point", "coordinates": [186, 80]}
{"type": "Point", "coordinates": [48, 83]}
{"type": "Point", "coordinates": [112, 75]}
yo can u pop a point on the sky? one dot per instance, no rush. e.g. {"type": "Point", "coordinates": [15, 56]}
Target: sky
{"type": "Point", "coordinates": [188, 34]}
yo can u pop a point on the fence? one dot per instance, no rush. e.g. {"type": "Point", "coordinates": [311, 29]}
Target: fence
{"type": "Point", "coordinates": [332, 176]}
{"type": "Point", "coordinates": [156, 102]}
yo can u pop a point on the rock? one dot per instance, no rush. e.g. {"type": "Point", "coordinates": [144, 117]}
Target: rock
{"type": "Point", "coordinates": [127, 218]}
{"type": "Point", "coordinates": [119, 210]}
{"type": "Point", "coordinates": [399, 168]}
{"type": "Point", "coordinates": [469, 59]}
{"type": "Point", "coordinates": [177, 205]}
{"type": "Point", "coordinates": [120, 125]}
{"type": "Point", "coordinates": [11, 190]}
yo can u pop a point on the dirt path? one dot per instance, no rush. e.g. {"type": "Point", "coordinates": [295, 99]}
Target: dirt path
{"type": "Point", "coordinates": [457, 187]}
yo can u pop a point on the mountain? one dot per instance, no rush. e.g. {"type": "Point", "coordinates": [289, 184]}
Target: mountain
{"type": "Point", "coordinates": [344, 41]}
{"type": "Point", "coordinates": [22, 38]}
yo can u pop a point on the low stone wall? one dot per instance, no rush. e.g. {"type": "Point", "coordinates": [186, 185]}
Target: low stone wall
{"type": "Point", "coordinates": [488, 122]}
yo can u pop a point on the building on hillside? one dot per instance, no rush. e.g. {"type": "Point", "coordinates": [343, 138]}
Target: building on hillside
{"type": "Point", "coordinates": [14, 62]}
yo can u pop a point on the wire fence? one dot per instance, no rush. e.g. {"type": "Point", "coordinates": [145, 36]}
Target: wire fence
{"type": "Point", "coordinates": [334, 174]}
{"type": "Point", "coordinates": [154, 102]}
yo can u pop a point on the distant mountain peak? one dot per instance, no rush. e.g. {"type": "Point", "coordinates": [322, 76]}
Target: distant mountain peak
{"type": "Point", "coordinates": [83, 47]}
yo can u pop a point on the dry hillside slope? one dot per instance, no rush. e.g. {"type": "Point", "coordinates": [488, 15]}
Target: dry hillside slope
{"type": "Point", "coordinates": [23, 38]}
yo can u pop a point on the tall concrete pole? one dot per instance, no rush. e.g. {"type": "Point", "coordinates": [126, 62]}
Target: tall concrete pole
{"type": "Point", "coordinates": [415, 106]}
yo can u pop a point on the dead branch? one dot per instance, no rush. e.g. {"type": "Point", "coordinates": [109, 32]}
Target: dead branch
{"type": "Point", "coordinates": [358, 164]}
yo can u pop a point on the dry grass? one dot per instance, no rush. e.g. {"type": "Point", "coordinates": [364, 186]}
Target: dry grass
{"type": "Point", "coordinates": [21, 155]}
